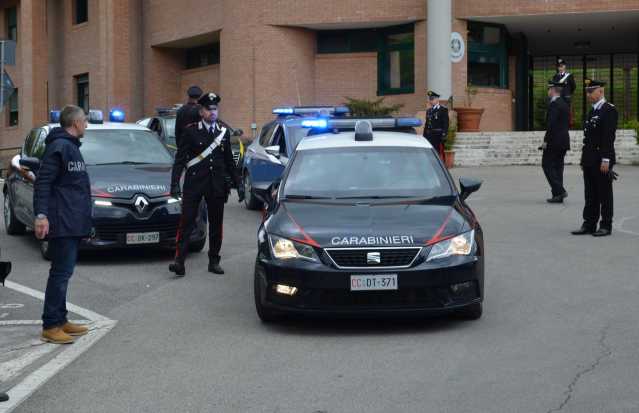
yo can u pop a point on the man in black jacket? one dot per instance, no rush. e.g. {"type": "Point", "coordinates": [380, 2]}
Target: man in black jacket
{"type": "Point", "coordinates": [556, 142]}
{"type": "Point", "coordinates": [62, 204]}
{"type": "Point", "coordinates": [597, 161]}
{"type": "Point", "coordinates": [566, 78]}
{"type": "Point", "coordinates": [204, 155]}
{"type": "Point", "coordinates": [188, 113]}
{"type": "Point", "coordinates": [436, 128]}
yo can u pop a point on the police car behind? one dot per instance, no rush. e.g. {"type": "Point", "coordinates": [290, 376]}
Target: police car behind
{"type": "Point", "coordinates": [366, 224]}
{"type": "Point", "coordinates": [130, 172]}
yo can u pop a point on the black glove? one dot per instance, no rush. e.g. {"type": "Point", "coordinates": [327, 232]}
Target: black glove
{"type": "Point", "coordinates": [175, 191]}
{"type": "Point", "coordinates": [240, 193]}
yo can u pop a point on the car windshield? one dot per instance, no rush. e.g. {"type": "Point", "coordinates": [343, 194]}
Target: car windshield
{"type": "Point", "coordinates": [297, 133]}
{"type": "Point", "coordinates": [122, 146]}
{"type": "Point", "coordinates": [378, 172]}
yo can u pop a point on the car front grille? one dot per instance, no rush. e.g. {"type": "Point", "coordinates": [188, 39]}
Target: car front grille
{"type": "Point", "coordinates": [114, 232]}
{"type": "Point", "coordinates": [403, 298]}
{"type": "Point", "coordinates": [359, 257]}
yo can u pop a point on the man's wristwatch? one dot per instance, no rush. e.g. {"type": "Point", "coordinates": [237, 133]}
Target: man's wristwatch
{"type": "Point", "coordinates": [41, 216]}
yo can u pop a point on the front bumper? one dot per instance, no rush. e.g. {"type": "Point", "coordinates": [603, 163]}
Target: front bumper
{"type": "Point", "coordinates": [427, 288]}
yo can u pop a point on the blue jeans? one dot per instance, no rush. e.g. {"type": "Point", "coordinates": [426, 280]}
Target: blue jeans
{"type": "Point", "coordinates": [64, 253]}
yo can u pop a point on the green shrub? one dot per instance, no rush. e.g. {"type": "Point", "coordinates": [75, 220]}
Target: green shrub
{"type": "Point", "coordinates": [370, 108]}
{"type": "Point", "coordinates": [450, 139]}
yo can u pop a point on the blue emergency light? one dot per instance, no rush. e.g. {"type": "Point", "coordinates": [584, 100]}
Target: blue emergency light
{"type": "Point", "coordinates": [54, 116]}
{"type": "Point", "coordinates": [116, 115]}
{"type": "Point", "coordinates": [311, 110]}
{"type": "Point", "coordinates": [315, 123]}
{"type": "Point", "coordinates": [283, 110]}
{"type": "Point", "coordinates": [408, 122]}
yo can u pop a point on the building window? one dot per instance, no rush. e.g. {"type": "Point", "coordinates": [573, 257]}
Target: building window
{"type": "Point", "coordinates": [395, 48]}
{"type": "Point", "coordinates": [347, 41]}
{"type": "Point", "coordinates": [82, 90]}
{"type": "Point", "coordinates": [396, 62]}
{"type": "Point", "coordinates": [487, 55]}
{"type": "Point", "coordinates": [12, 24]}
{"type": "Point", "coordinates": [80, 11]}
{"type": "Point", "coordinates": [203, 56]}
{"type": "Point", "coordinates": [14, 109]}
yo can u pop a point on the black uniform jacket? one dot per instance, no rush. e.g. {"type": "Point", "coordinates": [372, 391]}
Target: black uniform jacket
{"type": "Point", "coordinates": [436, 123]}
{"type": "Point", "coordinates": [557, 120]}
{"type": "Point", "coordinates": [599, 135]}
{"type": "Point", "coordinates": [186, 115]}
{"type": "Point", "coordinates": [569, 80]}
{"type": "Point", "coordinates": [210, 172]}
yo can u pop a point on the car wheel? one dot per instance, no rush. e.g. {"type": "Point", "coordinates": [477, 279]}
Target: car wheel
{"type": "Point", "coordinates": [197, 246]}
{"type": "Point", "coordinates": [472, 312]}
{"type": "Point", "coordinates": [44, 250]}
{"type": "Point", "coordinates": [11, 223]}
{"type": "Point", "coordinates": [266, 315]}
{"type": "Point", "coordinates": [250, 200]}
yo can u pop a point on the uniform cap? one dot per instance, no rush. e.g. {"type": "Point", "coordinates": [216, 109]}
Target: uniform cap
{"type": "Point", "coordinates": [209, 100]}
{"type": "Point", "coordinates": [432, 94]}
{"type": "Point", "coordinates": [560, 61]}
{"type": "Point", "coordinates": [591, 84]}
{"type": "Point", "coordinates": [194, 92]}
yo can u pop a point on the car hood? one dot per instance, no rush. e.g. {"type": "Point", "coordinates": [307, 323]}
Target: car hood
{"type": "Point", "coordinates": [125, 181]}
{"type": "Point", "coordinates": [397, 224]}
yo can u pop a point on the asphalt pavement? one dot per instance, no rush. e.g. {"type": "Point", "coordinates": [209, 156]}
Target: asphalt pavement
{"type": "Point", "coordinates": [559, 331]}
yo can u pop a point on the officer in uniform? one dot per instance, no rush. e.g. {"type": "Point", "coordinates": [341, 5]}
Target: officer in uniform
{"type": "Point", "coordinates": [562, 76]}
{"type": "Point", "coordinates": [556, 142]}
{"type": "Point", "coordinates": [597, 161]}
{"type": "Point", "coordinates": [436, 123]}
{"type": "Point", "coordinates": [188, 113]}
{"type": "Point", "coordinates": [204, 155]}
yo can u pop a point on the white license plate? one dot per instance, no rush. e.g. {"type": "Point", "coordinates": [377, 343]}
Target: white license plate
{"type": "Point", "coordinates": [143, 238]}
{"type": "Point", "coordinates": [373, 282]}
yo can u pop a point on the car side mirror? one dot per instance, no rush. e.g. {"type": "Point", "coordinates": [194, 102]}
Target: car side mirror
{"type": "Point", "coordinates": [273, 150]}
{"type": "Point", "coordinates": [468, 186]}
{"type": "Point", "coordinates": [32, 163]}
{"type": "Point", "coordinates": [267, 194]}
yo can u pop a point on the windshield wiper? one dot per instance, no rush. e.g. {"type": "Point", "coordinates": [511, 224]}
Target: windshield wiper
{"type": "Point", "coordinates": [297, 196]}
{"type": "Point", "coordinates": [123, 163]}
{"type": "Point", "coordinates": [376, 197]}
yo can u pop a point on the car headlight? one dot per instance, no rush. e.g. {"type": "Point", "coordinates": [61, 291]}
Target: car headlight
{"type": "Point", "coordinates": [286, 249]}
{"type": "Point", "coordinates": [100, 202]}
{"type": "Point", "coordinates": [460, 245]}
{"type": "Point", "coordinates": [173, 200]}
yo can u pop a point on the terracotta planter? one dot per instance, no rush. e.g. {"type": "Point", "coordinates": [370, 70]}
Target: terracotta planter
{"type": "Point", "coordinates": [468, 119]}
{"type": "Point", "coordinates": [449, 159]}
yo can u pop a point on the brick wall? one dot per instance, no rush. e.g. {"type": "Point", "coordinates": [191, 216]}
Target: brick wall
{"type": "Point", "coordinates": [475, 8]}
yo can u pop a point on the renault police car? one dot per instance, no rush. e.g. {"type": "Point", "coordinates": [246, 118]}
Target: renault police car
{"type": "Point", "coordinates": [368, 223]}
{"type": "Point", "coordinates": [130, 174]}
{"type": "Point", "coordinates": [267, 156]}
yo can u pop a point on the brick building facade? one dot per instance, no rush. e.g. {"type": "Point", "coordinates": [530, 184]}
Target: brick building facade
{"type": "Point", "coordinates": [141, 54]}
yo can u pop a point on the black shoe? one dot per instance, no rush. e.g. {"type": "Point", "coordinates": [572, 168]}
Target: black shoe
{"type": "Point", "coordinates": [215, 268]}
{"type": "Point", "coordinates": [178, 269]}
{"type": "Point", "coordinates": [583, 231]}
{"type": "Point", "coordinates": [4, 397]}
{"type": "Point", "coordinates": [564, 195]}
{"type": "Point", "coordinates": [559, 199]}
{"type": "Point", "coordinates": [603, 232]}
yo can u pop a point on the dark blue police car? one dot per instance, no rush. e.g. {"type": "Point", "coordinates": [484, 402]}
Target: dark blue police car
{"type": "Point", "coordinates": [266, 158]}
{"type": "Point", "coordinates": [130, 173]}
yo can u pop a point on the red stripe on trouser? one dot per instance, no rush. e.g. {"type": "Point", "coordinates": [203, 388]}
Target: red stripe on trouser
{"type": "Point", "coordinates": [178, 236]}
{"type": "Point", "coordinates": [441, 151]}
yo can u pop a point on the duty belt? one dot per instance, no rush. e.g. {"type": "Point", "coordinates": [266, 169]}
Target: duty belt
{"type": "Point", "coordinates": [208, 151]}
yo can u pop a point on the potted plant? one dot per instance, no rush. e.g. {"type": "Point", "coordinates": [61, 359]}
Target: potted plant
{"type": "Point", "coordinates": [372, 108]}
{"type": "Point", "coordinates": [469, 117]}
{"type": "Point", "coordinates": [449, 153]}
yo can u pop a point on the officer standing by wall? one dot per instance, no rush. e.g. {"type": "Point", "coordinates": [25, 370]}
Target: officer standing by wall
{"type": "Point", "coordinates": [556, 142]}
{"type": "Point", "coordinates": [204, 155]}
{"type": "Point", "coordinates": [188, 113]}
{"type": "Point", "coordinates": [436, 128]}
{"type": "Point", "coordinates": [597, 161]}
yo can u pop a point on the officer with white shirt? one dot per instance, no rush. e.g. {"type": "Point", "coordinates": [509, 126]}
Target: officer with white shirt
{"type": "Point", "coordinates": [563, 76]}
{"type": "Point", "coordinates": [436, 128]}
{"type": "Point", "coordinates": [597, 161]}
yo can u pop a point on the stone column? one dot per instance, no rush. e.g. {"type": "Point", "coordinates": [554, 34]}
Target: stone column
{"type": "Point", "coordinates": [438, 64]}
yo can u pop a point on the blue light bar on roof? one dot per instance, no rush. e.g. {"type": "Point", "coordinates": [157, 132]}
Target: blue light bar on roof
{"type": "Point", "coordinates": [408, 122]}
{"type": "Point", "coordinates": [116, 115]}
{"type": "Point", "coordinates": [283, 110]}
{"type": "Point", "coordinates": [315, 123]}
{"type": "Point", "coordinates": [54, 116]}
